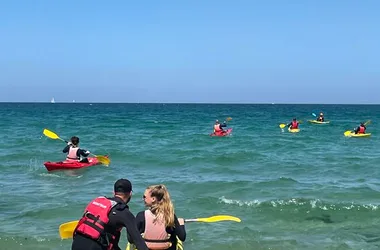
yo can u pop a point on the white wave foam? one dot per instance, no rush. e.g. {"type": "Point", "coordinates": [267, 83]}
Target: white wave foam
{"type": "Point", "coordinates": [239, 203]}
{"type": "Point", "coordinates": [316, 203]}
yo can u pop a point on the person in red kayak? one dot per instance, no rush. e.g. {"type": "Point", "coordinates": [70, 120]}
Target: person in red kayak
{"type": "Point", "coordinates": [104, 218]}
{"type": "Point", "coordinates": [294, 124]}
{"type": "Point", "coordinates": [218, 128]}
{"type": "Point", "coordinates": [74, 153]}
{"type": "Point", "coordinates": [321, 118]}
{"type": "Point", "coordinates": [361, 129]}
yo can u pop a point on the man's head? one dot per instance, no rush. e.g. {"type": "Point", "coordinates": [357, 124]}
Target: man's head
{"type": "Point", "coordinates": [123, 189]}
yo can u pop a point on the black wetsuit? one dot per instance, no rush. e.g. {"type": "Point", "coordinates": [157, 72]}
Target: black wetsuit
{"type": "Point", "coordinates": [178, 231]}
{"type": "Point", "coordinates": [321, 119]}
{"type": "Point", "coordinates": [80, 152]}
{"type": "Point", "coordinates": [358, 128]}
{"type": "Point", "coordinates": [119, 216]}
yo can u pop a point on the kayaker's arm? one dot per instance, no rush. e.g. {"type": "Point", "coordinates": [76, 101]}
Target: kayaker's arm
{"type": "Point", "coordinates": [140, 223]}
{"type": "Point", "coordinates": [133, 233]}
{"type": "Point", "coordinates": [83, 152]}
{"type": "Point", "coordinates": [223, 125]}
{"type": "Point", "coordinates": [179, 229]}
{"type": "Point", "coordinates": [66, 149]}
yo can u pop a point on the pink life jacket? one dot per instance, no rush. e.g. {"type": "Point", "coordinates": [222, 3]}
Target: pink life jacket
{"type": "Point", "coordinates": [72, 155]}
{"type": "Point", "coordinates": [94, 222]}
{"type": "Point", "coordinates": [155, 234]}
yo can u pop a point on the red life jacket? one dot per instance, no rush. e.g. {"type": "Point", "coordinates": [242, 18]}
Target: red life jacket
{"type": "Point", "coordinates": [294, 124]}
{"type": "Point", "coordinates": [217, 128]}
{"type": "Point", "coordinates": [94, 221]}
{"type": "Point", "coordinates": [361, 130]}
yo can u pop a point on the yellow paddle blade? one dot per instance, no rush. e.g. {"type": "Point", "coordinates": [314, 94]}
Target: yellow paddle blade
{"type": "Point", "coordinates": [50, 134]}
{"type": "Point", "coordinates": [66, 230]}
{"type": "Point", "coordinates": [104, 160]}
{"type": "Point", "coordinates": [347, 133]}
{"type": "Point", "coordinates": [228, 118]}
{"type": "Point", "coordinates": [215, 218]}
{"type": "Point", "coordinates": [282, 125]}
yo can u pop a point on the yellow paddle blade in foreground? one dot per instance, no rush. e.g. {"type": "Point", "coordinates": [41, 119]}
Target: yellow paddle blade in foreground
{"type": "Point", "coordinates": [282, 125]}
{"type": "Point", "coordinates": [66, 230]}
{"type": "Point", "coordinates": [51, 134]}
{"type": "Point", "coordinates": [215, 218]}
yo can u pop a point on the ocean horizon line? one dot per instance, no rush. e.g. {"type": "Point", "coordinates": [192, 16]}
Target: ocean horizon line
{"type": "Point", "coordinates": [190, 103]}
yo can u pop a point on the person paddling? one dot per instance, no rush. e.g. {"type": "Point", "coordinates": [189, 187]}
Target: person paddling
{"type": "Point", "coordinates": [158, 224]}
{"type": "Point", "coordinates": [218, 128]}
{"type": "Point", "coordinates": [321, 118]}
{"type": "Point", "coordinates": [104, 218]}
{"type": "Point", "coordinates": [361, 129]}
{"type": "Point", "coordinates": [294, 124]}
{"type": "Point", "coordinates": [74, 153]}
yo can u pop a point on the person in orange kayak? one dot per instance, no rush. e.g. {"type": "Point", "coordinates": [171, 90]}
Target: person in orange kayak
{"type": "Point", "coordinates": [159, 225]}
{"type": "Point", "coordinates": [218, 128]}
{"type": "Point", "coordinates": [74, 153]}
{"type": "Point", "coordinates": [294, 124]}
{"type": "Point", "coordinates": [361, 129]}
{"type": "Point", "coordinates": [321, 118]}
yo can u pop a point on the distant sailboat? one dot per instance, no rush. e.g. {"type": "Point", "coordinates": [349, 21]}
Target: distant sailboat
{"type": "Point", "coordinates": [52, 100]}
{"type": "Point", "coordinates": [73, 100]}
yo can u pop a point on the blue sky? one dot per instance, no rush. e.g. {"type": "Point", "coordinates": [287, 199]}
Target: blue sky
{"type": "Point", "coordinates": [190, 51]}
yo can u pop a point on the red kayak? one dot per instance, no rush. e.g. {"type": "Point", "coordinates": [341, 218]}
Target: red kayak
{"type": "Point", "coordinates": [64, 165]}
{"type": "Point", "coordinates": [227, 132]}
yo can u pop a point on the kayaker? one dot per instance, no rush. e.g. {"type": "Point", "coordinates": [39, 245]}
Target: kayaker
{"type": "Point", "coordinates": [218, 128]}
{"type": "Point", "coordinates": [158, 224]}
{"type": "Point", "coordinates": [361, 129]}
{"type": "Point", "coordinates": [74, 152]}
{"type": "Point", "coordinates": [104, 218]}
{"type": "Point", "coordinates": [321, 118]}
{"type": "Point", "coordinates": [294, 124]}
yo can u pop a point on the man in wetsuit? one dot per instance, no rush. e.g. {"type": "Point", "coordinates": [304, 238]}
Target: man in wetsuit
{"type": "Point", "coordinates": [361, 129]}
{"type": "Point", "coordinates": [104, 218]}
{"type": "Point", "coordinates": [321, 118]}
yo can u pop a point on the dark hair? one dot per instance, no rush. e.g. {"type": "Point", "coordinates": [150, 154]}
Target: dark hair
{"type": "Point", "coordinates": [75, 140]}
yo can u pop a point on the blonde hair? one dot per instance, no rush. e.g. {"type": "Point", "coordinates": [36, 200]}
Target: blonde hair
{"type": "Point", "coordinates": [163, 207]}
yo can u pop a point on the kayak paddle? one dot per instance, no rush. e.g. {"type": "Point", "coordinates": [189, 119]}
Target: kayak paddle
{"type": "Point", "coordinates": [314, 114]}
{"type": "Point", "coordinates": [215, 218]}
{"type": "Point", "coordinates": [104, 160]}
{"type": "Point", "coordinates": [66, 230]}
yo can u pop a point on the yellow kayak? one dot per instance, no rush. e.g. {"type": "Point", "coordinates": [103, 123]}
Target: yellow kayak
{"type": "Point", "coordinates": [352, 134]}
{"type": "Point", "coordinates": [318, 122]}
{"type": "Point", "coordinates": [293, 130]}
{"type": "Point", "coordinates": [179, 245]}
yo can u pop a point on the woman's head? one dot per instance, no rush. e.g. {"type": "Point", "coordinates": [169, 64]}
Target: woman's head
{"type": "Point", "coordinates": [75, 140]}
{"type": "Point", "coordinates": [157, 197]}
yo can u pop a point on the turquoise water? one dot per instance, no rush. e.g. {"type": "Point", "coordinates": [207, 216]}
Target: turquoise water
{"type": "Point", "coordinates": [310, 190]}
